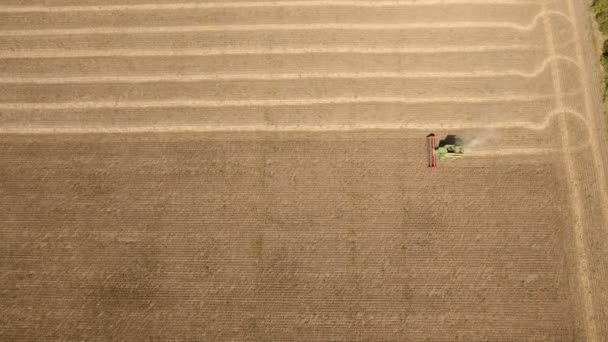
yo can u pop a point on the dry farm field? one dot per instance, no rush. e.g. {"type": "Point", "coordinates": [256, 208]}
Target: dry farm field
{"type": "Point", "coordinates": [256, 171]}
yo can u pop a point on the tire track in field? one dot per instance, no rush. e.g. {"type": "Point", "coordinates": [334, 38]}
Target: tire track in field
{"type": "Point", "coordinates": [597, 158]}
{"type": "Point", "coordinates": [571, 175]}
{"type": "Point", "coordinates": [588, 106]}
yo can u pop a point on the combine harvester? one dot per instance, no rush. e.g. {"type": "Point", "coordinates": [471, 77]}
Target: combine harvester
{"type": "Point", "coordinates": [445, 149]}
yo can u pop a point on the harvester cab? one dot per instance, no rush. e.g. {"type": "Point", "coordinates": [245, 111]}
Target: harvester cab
{"type": "Point", "coordinates": [448, 148]}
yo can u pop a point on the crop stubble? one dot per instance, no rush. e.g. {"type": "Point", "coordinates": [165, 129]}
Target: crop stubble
{"type": "Point", "coordinates": [255, 170]}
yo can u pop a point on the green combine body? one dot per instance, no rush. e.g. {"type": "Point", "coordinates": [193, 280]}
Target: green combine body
{"type": "Point", "coordinates": [447, 148]}
{"type": "Point", "coordinates": [450, 151]}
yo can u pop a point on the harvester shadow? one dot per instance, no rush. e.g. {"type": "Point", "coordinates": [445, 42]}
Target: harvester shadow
{"type": "Point", "coordinates": [449, 140]}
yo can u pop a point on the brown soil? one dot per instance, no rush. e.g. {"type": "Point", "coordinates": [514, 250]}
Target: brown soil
{"type": "Point", "coordinates": [229, 171]}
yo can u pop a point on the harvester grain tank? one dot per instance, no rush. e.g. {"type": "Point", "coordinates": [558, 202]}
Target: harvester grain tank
{"type": "Point", "coordinates": [447, 148]}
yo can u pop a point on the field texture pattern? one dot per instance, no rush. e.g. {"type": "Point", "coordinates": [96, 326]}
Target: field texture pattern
{"type": "Point", "coordinates": [256, 171]}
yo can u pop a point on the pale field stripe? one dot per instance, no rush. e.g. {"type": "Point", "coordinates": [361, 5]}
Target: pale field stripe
{"type": "Point", "coordinates": [94, 79]}
{"type": "Point", "coordinates": [262, 103]}
{"type": "Point", "coordinates": [252, 128]}
{"type": "Point", "coordinates": [243, 4]}
{"type": "Point", "coordinates": [266, 127]}
{"type": "Point", "coordinates": [263, 27]}
{"type": "Point", "coordinates": [280, 27]}
{"type": "Point", "coordinates": [259, 51]}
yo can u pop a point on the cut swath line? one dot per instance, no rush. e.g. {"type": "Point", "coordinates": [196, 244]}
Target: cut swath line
{"type": "Point", "coordinates": [280, 27]}
{"type": "Point", "coordinates": [269, 127]}
{"type": "Point", "coordinates": [252, 128]}
{"type": "Point", "coordinates": [267, 51]}
{"type": "Point", "coordinates": [256, 77]}
{"type": "Point", "coordinates": [261, 103]}
{"type": "Point", "coordinates": [262, 27]}
{"type": "Point", "coordinates": [97, 79]}
{"type": "Point", "coordinates": [243, 4]}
